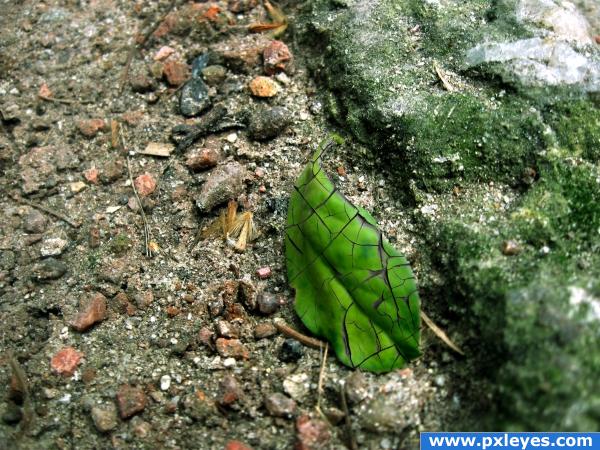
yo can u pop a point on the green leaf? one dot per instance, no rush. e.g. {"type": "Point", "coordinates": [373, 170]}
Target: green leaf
{"type": "Point", "coordinates": [352, 287]}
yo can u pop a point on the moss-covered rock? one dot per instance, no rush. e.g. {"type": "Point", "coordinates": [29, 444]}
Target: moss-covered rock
{"type": "Point", "coordinates": [537, 311]}
{"type": "Point", "coordinates": [501, 163]}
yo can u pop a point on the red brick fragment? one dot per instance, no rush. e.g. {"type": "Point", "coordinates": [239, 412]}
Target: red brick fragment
{"type": "Point", "coordinates": [91, 175]}
{"type": "Point", "coordinates": [145, 184]}
{"type": "Point", "coordinates": [236, 445]}
{"type": "Point", "coordinates": [65, 361]}
{"type": "Point", "coordinates": [90, 127]}
{"type": "Point", "coordinates": [277, 58]}
{"type": "Point", "coordinates": [232, 348]}
{"type": "Point", "coordinates": [176, 72]}
{"type": "Point", "coordinates": [94, 311]}
{"type": "Point", "coordinates": [44, 91]}
{"type": "Point", "coordinates": [311, 433]}
{"type": "Point", "coordinates": [131, 400]}
{"type": "Point", "coordinates": [202, 158]}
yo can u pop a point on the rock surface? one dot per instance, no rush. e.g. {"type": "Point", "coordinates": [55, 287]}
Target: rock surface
{"type": "Point", "coordinates": [419, 86]}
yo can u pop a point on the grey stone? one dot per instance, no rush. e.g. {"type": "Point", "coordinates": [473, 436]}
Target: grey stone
{"type": "Point", "coordinates": [53, 246]}
{"type": "Point", "coordinates": [280, 405]}
{"type": "Point", "coordinates": [224, 183]}
{"type": "Point", "coordinates": [48, 269]}
{"type": "Point", "coordinates": [268, 123]}
{"type": "Point", "coordinates": [35, 222]}
{"type": "Point", "coordinates": [194, 98]}
{"type": "Point", "coordinates": [268, 303]}
{"type": "Point", "coordinates": [105, 417]}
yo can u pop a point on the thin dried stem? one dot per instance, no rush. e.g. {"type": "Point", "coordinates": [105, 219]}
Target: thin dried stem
{"type": "Point", "coordinates": [350, 436]}
{"type": "Point", "coordinates": [47, 210]}
{"type": "Point", "coordinates": [303, 339]}
{"type": "Point", "coordinates": [440, 333]}
{"type": "Point", "coordinates": [142, 212]}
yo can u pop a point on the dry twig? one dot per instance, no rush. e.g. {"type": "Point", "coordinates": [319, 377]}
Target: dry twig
{"type": "Point", "coordinates": [349, 435]}
{"type": "Point", "coordinates": [443, 77]}
{"type": "Point", "coordinates": [64, 101]}
{"type": "Point", "coordinates": [142, 212]}
{"type": "Point", "coordinates": [322, 374]}
{"type": "Point", "coordinates": [46, 210]}
{"type": "Point", "coordinates": [303, 339]}
{"type": "Point", "coordinates": [440, 333]}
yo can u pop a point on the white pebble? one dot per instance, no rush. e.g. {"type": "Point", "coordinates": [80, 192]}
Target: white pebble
{"type": "Point", "coordinates": [165, 382]}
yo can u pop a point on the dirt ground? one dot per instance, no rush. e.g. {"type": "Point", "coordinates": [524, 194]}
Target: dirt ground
{"type": "Point", "coordinates": [118, 349]}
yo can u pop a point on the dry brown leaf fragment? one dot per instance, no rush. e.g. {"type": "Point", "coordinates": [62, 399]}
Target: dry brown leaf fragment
{"type": "Point", "coordinates": [278, 25]}
{"type": "Point", "coordinates": [236, 229]}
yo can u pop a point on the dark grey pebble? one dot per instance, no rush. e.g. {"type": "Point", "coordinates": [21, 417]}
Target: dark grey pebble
{"type": "Point", "coordinates": [35, 222]}
{"type": "Point", "coordinates": [268, 303]}
{"type": "Point", "coordinates": [291, 351]}
{"type": "Point", "coordinates": [267, 123]}
{"type": "Point", "coordinates": [194, 98]}
{"type": "Point", "coordinates": [48, 269]}
{"type": "Point", "coordinates": [194, 95]}
{"type": "Point", "coordinates": [12, 414]}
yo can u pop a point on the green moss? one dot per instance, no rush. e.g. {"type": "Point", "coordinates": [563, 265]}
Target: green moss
{"type": "Point", "coordinates": [524, 307]}
{"type": "Point", "coordinates": [120, 243]}
{"type": "Point", "coordinates": [462, 138]}
{"type": "Point", "coordinates": [577, 127]}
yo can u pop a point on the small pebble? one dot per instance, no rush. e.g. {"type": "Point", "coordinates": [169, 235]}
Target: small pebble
{"type": "Point", "coordinates": [264, 330]}
{"type": "Point", "coordinates": [91, 127]}
{"type": "Point", "coordinates": [176, 72]}
{"type": "Point", "coordinates": [224, 183]}
{"type": "Point", "coordinates": [510, 248]}
{"type": "Point", "coordinates": [141, 82]}
{"type": "Point", "coordinates": [94, 311]}
{"type": "Point", "coordinates": [268, 123]}
{"type": "Point", "coordinates": [77, 186]}
{"type": "Point", "coordinates": [280, 405]}
{"type": "Point", "coordinates": [91, 175]}
{"type": "Point", "coordinates": [44, 91]}
{"type": "Point", "coordinates": [131, 400]}
{"type": "Point", "coordinates": [263, 273]}
{"type": "Point", "coordinates": [263, 87]}
{"type": "Point", "coordinates": [268, 303]}
{"type": "Point", "coordinates": [230, 390]}
{"type": "Point", "coordinates": [291, 351]}
{"type": "Point", "coordinates": [277, 57]}
{"type": "Point", "coordinates": [53, 246]}
{"type": "Point", "coordinates": [194, 98]}
{"type": "Point", "coordinates": [236, 445]}
{"type": "Point", "coordinates": [165, 382]}
{"type": "Point", "coordinates": [202, 158]}
{"type": "Point", "coordinates": [163, 53]}
{"type": "Point", "coordinates": [232, 348]}
{"type": "Point", "coordinates": [105, 417]}
{"type": "Point", "coordinates": [65, 361]}
{"type": "Point", "coordinates": [312, 433]}
{"type": "Point", "coordinates": [227, 329]}
{"type": "Point", "coordinates": [231, 137]}
{"type": "Point", "coordinates": [145, 184]}
{"type": "Point", "coordinates": [48, 269]}
{"type": "Point", "coordinates": [214, 75]}
{"type": "Point", "coordinates": [35, 222]}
